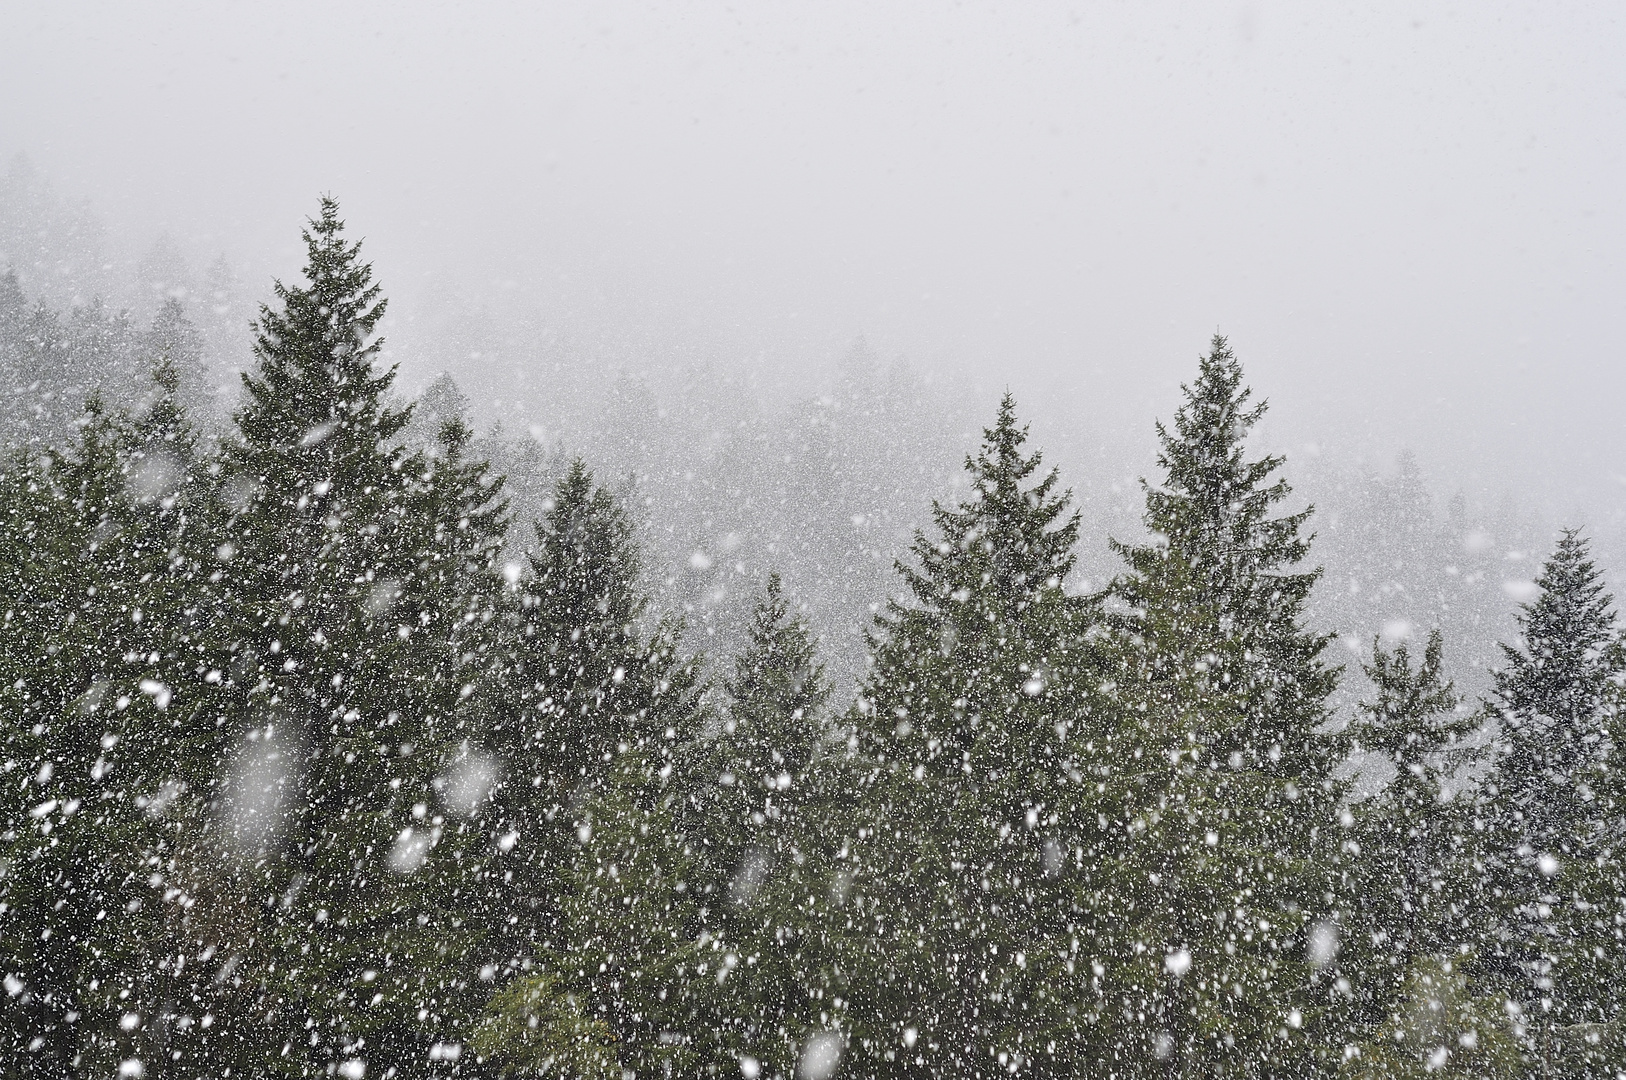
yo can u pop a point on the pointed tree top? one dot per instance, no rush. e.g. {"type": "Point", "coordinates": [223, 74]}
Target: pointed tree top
{"type": "Point", "coordinates": [999, 459]}
{"type": "Point", "coordinates": [315, 398]}
{"type": "Point", "coordinates": [779, 669]}
{"type": "Point", "coordinates": [1414, 714]}
{"type": "Point", "coordinates": [1213, 421]}
{"type": "Point", "coordinates": [1213, 496]}
{"type": "Point", "coordinates": [1570, 644]}
{"type": "Point", "coordinates": [1008, 545]}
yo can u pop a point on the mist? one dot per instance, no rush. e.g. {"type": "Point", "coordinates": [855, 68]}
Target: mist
{"type": "Point", "coordinates": [1406, 214]}
{"type": "Point", "coordinates": [769, 271]}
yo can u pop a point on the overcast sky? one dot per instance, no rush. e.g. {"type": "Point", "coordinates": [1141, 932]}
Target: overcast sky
{"type": "Point", "coordinates": [1408, 217]}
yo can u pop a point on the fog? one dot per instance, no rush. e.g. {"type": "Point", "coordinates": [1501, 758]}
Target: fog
{"type": "Point", "coordinates": [1406, 217]}
{"type": "Point", "coordinates": [801, 579]}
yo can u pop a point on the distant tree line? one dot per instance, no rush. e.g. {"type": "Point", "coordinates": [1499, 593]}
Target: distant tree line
{"type": "Point", "coordinates": [319, 764]}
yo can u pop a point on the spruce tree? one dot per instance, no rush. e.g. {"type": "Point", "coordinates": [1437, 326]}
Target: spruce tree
{"type": "Point", "coordinates": [968, 749]}
{"type": "Point", "coordinates": [585, 718]}
{"type": "Point", "coordinates": [1555, 698]}
{"type": "Point", "coordinates": [772, 724]}
{"type": "Point", "coordinates": [1411, 895]}
{"type": "Point", "coordinates": [63, 616]}
{"type": "Point", "coordinates": [572, 684]}
{"type": "Point", "coordinates": [110, 623]}
{"type": "Point", "coordinates": [173, 337]}
{"type": "Point", "coordinates": [1553, 836]}
{"type": "Point", "coordinates": [759, 853]}
{"type": "Point", "coordinates": [1228, 796]}
{"type": "Point", "coordinates": [353, 713]}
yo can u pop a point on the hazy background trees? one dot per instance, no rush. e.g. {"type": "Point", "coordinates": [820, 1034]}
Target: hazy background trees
{"type": "Point", "coordinates": [345, 739]}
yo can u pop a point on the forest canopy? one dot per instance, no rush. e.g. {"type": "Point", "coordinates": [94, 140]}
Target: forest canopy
{"type": "Point", "coordinates": [339, 740]}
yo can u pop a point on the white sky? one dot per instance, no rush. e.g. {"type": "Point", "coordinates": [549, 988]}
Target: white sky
{"type": "Point", "coordinates": [1407, 216]}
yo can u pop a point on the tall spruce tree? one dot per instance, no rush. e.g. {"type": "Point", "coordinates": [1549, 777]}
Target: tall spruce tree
{"type": "Point", "coordinates": [1552, 839]}
{"type": "Point", "coordinates": [955, 920]}
{"type": "Point", "coordinates": [758, 855]}
{"type": "Point", "coordinates": [352, 711]}
{"type": "Point", "coordinates": [175, 338]}
{"type": "Point", "coordinates": [1555, 699]}
{"type": "Point", "coordinates": [35, 348]}
{"type": "Point", "coordinates": [1228, 793]}
{"type": "Point", "coordinates": [576, 676]}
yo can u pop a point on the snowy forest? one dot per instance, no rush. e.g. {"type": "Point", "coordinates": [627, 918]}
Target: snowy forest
{"type": "Point", "coordinates": [341, 739]}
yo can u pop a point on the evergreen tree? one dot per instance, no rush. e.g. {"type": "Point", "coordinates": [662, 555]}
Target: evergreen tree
{"type": "Point", "coordinates": [952, 919]}
{"type": "Point", "coordinates": [174, 338]}
{"type": "Point", "coordinates": [1411, 894]}
{"type": "Point", "coordinates": [347, 804]}
{"type": "Point", "coordinates": [636, 952]}
{"type": "Point", "coordinates": [759, 855]}
{"type": "Point", "coordinates": [109, 626]}
{"type": "Point", "coordinates": [574, 680]}
{"type": "Point", "coordinates": [1555, 699]}
{"type": "Point", "coordinates": [585, 720]}
{"type": "Point", "coordinates": [1553, 837]}
{"type": "Point", "coordinates": [772, 725]}
{"type": "Point", "coordinates": [1228, 793]}
{"type": "Point", "coordinates": [34, 360]}
{"type": "Point", "coordinates": [61, 609]}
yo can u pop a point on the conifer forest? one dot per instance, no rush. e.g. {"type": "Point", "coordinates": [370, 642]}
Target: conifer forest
{"type": "Point", "coordinates": [340, 740]}
{"type": "Point", "coordinates": [812, 540]}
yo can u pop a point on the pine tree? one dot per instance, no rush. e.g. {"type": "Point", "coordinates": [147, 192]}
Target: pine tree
{"type": "Point", "coordinates": [566, 705]}
{"type": "Point", "coordinates": [634, 956]}
{"type": "Point", "coordinates": [1552, 839]}
{"type": "Point", "coordinates": [1411, 895]}
{"type": "Point", "coordinates": [1228, 797]}
{"type": "Point", "coordinates": [758, 855]}
{"type": "Point", "coordinates": [347, 807]}
{"type": "Point", "coordinates": [585, 718]}
{"type": "Point", "coordinates": [753, 775]}
{"type": "Point", "coordinates": [1555, 697]}
{"type": "Point", "coordinates": [774, 698]}
{"type": "Point", "coordinates": [968, 754]}
{"type": "Point", "coordinates": [34, 359]}
{"type": "Point", "coordinates": [60, 613]}
{"type": "Point", "coordinates": [110, 622]}
{"type": "Point", "coordinates": [175, 339]}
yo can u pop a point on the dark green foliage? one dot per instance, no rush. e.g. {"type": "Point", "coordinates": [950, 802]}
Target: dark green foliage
{"type": "Point", "coordinates": [1412, 872]}
{"type": "Point", "coordinates": [751, 778]}
{"type": "Point", "coordinates": [631, 923]}
{"type": "Point", "coordinates": [596, 909]}
{"type": "Point", "coordinates": [1438, 1027]}
{"type": "Point", "coordinates": [777, 689]}
{"type": "Point", "coordinates": [359, 574]}
{"type": "Point", "coordinates": [579, 686]}
{"type": "Point", "coordinates": [1555, 699]}
{"type": "Point", "coordinates": [1228, 799]}
{"type": "Point", "coordinates": [754, 803]}
{"type": "Point", "coordinates": [969, 746]}
{"type": "Point", "coordinates": [1554, 830]}
{"type": "Point", "coordinates": [111, 736]}
{"type": "Point", "coordinates": [300, 777]}
{"type": "Point", "coordinates": [1216, 600]}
